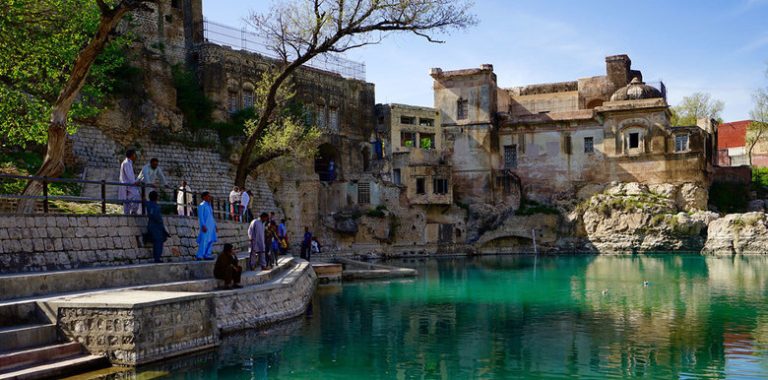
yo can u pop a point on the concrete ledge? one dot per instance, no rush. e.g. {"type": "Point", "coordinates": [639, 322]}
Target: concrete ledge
{"type": "Point", "coordinates": [282, 298]}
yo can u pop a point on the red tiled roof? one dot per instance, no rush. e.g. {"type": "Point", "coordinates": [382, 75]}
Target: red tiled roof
{"type": "Point", "coordinates": [732, 135]}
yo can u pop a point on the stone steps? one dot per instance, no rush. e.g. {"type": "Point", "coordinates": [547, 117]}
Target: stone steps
{"type": "Point", "coordinates": [26, 336]}
{"type": "Point", "coordinates": [58, 368]}
{"type": "Point", "coordinates": [15, 360]}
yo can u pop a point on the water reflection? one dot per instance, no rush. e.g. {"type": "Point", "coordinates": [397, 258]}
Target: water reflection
{"type": "Point", "coordinates": [515, 317]}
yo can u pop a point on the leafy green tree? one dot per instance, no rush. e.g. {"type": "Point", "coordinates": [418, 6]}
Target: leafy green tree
{"type": "Point", "coordinates": [48, 48]}
{"type": "Point", "coordinates": [697, 106]}
{"type": "Point", "coordinates": [300, 30]}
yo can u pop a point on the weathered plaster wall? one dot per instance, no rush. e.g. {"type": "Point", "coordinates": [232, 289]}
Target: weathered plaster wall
{"type": "Point", "coordinates": [41, 243]}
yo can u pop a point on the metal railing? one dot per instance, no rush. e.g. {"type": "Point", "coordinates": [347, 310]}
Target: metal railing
{"type": "Point", "coordinates": [244, 39]}
{"type": "Point", "coordinates": [221, 209]}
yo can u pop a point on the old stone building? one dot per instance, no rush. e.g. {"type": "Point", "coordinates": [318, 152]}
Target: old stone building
{"type": "Point", "coordinates": [550, 139]}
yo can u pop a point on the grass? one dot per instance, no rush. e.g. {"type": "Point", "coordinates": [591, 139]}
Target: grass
{"type": "Point", "coordinates": [530, 207]}
{"type": "Point", "coordinates": [27, 163]}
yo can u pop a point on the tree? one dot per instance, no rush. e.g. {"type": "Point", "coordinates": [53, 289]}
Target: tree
{"type": "Point", "coordinates": [33, 33]}
{"type": "Point", "coordinates": [757, 131]}
{"type": "Point", "coordinates": [697, 106]}
{"type": "Point", "coordinates": [298, 31]}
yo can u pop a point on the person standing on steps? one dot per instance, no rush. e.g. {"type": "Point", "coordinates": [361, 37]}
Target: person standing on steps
{"type": "Point", "coordinates": [257, 247]}
{"type": "Point", "coordinates": [129, 194]}
{"type": "Point", "coordinates": [227, 268]}
{"type": "Point", "coordinates": [234, 203]}
{"type": "Point", "coordinates": [282, 236]}
{"type": "Point", "coordinates": [245, 206]}
{"type": "Point", "coordinates": [208, 228]}
{"type": "Point", "coordinates": [155, 227]}
{"type": "Point", "coordinates": [306, 244]}
{"type": "Point", "coordinates": [184, 200]}
{"type": "Point", "coordinates": [152, 175]}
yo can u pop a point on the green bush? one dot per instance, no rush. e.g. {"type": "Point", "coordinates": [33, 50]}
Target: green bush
{"type": "Point", "coordinates": [760, 181]}
{"type": "Point", "coordinates": [190, 98]}
{"type": "Point", "coordinates": [531, 207]}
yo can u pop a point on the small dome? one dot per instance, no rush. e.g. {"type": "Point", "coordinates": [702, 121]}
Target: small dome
{"type": "Point", "coordinates": [636, 90]}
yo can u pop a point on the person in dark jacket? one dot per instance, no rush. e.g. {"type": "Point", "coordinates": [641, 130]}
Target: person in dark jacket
{"type": "Point", "coordinates": [155, 226]}
{"type": "Point", "coordinates": [227, 268]}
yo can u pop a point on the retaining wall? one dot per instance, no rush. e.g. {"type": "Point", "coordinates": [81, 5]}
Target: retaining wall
{"type": "Point", "coordinates": [43, 243]}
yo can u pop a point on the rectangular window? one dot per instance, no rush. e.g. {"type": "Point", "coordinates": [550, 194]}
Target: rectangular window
{"type": "Point", "coordinates": [634, 140]}
{"type": "Point", "coordinates": [333, 119]}
{"type": "Point", "coordinates": [410, 120]}
{"type": "Point", "coordinates": [440, 186]}
{"type": "Point", "coordinates": [322, 118]}
{"type": "Point", "coordinates": [424, 122]}
{"type": "Point", "coordinates": [232, 103]}
{"type": "Point", "coordinates": [421, 186]}
{"type": "Point", "coordinates": [248, 99]}
{"type": "Point", "coordinates": [462, 109]}
{"type": "Point", "coordinates": [589, 145]}
{"type": "Point", "coordinates": [510, 156]}
{"type": "Point", "coordinates": [427, 141]}
{"type": "Point", "coordinates": [396, 176]}
{"type": "Point", "coordinates": [364, 193]}
{"type": "Point", "coordinates": [681, 143]}
{"type": "Point", "coordinates": [407, 139]}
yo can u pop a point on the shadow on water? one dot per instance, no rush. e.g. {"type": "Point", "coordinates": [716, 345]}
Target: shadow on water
{"type": "Point", "coordinates": [661, 316]}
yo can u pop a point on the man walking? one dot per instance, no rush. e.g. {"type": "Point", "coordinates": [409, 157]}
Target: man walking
{"type": "Point", "coordinates": [208, 229]}
{"type": "Point", "coordinates": [257, 246]}
{"type": "Point", "coordinates": [155, 226]}
{"type": "Point", "coordinates": [306, 244]}
{"type": "Point", "coordinates": [129, 194]}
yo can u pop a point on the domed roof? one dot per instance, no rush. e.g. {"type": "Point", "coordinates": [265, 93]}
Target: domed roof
{"type": "Point", "coordinates": [636, 90]}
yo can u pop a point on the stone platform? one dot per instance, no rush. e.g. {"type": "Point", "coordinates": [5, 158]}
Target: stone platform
{"type": "Point", "coordinates": [328, 272]}
{"type": "Point", "coordinates": [136, 327]}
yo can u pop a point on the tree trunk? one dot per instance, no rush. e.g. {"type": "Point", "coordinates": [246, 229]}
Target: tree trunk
{"type": "Point", "coordinates": [53, 165]}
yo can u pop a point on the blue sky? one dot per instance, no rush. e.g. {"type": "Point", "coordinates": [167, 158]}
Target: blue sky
{"type": "Point", "coordinates": [714, 46]}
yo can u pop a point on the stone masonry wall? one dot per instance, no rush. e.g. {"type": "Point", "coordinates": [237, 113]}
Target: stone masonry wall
{"type": "Point", "coordinates": [202, 168]}
{"type": "Point", "coordinates": [40, 243]}
{"type": "Point", "coordinates": [135, 335]}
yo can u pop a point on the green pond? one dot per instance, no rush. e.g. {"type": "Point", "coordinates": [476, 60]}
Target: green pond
{"type": "Point", "coordinates": [506, 317]}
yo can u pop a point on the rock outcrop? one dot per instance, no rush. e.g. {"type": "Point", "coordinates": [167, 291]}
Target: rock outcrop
{"type": "Point", "coordinates": [738, 234]}
{"type": "Point", "coordinates": [633, 217]}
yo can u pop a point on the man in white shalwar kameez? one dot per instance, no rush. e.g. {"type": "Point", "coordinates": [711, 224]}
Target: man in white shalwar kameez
{"type": "Point", "coordinates": [184, 200]}
{"type": "Point", "coordinates": [152, 175]}
{"type": "Point", "coordinates": [129, 194]}
{"type": "Point", "coordinates": [208, 229]}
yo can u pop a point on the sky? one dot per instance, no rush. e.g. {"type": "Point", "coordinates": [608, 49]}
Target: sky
{"type": "Point", "coordinates": [714, 46]}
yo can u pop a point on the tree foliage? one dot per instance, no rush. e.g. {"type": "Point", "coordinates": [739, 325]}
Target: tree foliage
{"type": "Point", "coordinates": [39, 43]}
{"type": "Point", "coordinates": [300, 30]}
{"type": "Point", "coordinates": [757, 131]}
{"type": "Point", "coordinates": [697, 106]}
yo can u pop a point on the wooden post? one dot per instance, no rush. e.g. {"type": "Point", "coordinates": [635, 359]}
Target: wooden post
{"type": "Point", "coordinates": [103, 196]}
{"type": "Point", "coordinates": [45, 195]}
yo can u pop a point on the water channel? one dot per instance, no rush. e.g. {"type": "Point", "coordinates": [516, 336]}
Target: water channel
{"type": "Point", "coordinates": [655, 317]}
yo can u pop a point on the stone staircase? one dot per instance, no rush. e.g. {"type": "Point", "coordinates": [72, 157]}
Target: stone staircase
{"type": "Point", "coordinates": [31, 346]}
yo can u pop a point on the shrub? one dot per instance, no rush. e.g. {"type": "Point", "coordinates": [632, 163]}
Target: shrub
{"type": "Point", "coordinates": [729, 197]}
{"type": "Point", "coordinates": [531, 207]}
{"type": "Point", "coordinates": [190, 98]}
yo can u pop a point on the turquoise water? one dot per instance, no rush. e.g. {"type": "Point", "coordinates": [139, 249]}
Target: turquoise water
{"type": "Point", "coordinates": [518, 317]}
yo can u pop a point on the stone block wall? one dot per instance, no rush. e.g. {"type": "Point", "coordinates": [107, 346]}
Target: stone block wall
{"type": "Point", "coordinates": [41, 243]}
{"type": "Point", "coordinates": [202, 168]}
{"type": "Point", "coordinates": [138, 334]}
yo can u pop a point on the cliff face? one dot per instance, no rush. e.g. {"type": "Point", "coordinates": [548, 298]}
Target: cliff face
{"type": "Point", "coordinates": [738, 234]}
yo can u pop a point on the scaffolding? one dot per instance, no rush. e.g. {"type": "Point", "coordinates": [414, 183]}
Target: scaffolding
{"type": "Point", "coordinates": [247, 40]}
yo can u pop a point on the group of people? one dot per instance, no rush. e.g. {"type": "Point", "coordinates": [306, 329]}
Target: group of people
{"type": "Point", "coordinates": [151, 175]}
{"type": "Point", "coordinates": [240, 204]}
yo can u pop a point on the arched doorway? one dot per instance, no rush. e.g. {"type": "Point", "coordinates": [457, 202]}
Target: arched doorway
{"type": "Point", "coordinates": [326, 162]}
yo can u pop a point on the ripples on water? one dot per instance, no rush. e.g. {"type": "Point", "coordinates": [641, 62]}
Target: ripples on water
{"type": "Point", "coordinates": [518, 317]}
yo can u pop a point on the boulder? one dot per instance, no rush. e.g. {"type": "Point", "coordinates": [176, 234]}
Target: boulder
{"type": "Point", "coordinates": [757, 205]}
{"type": "Point", "coordinates": [692, 197]}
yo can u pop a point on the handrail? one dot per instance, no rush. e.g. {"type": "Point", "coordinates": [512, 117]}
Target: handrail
{"type": "Point", "coordinates": [221, 209]}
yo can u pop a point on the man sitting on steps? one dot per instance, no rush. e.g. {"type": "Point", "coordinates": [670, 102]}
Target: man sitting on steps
{"type": "Point", "coordinates": [226, 268]}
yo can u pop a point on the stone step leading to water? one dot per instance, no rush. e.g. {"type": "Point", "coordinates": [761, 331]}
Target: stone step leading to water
{"type": "Point", "coordinates": [58, 368]}
{"type": "Point", "coordinates": [27, 336]}
{"type": "Point", "coordinates": [14, 360]}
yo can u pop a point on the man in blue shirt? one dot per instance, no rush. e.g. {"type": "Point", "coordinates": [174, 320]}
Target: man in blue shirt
{"type": "Point", "coordinates": [208, 229]}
